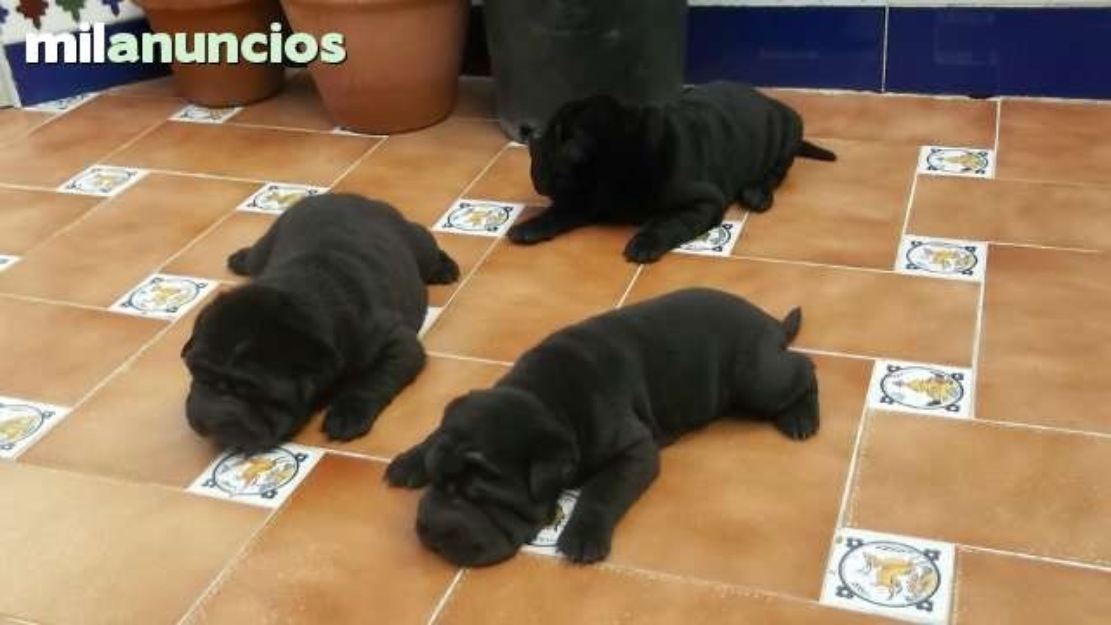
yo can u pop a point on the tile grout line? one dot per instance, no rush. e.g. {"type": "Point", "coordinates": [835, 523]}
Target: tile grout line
{"type": "Point", "coordinates": [1076, 564]}
{"type": "Point", "coordinates": [910, 207]}
{"type": "Point", "coordinates": [446, 597]}
{"type": "Point", "coordinates": [233, 562]}
{"type": "Point", "coordinates": [850, 475]}
{"type": "Point", "coordinates": [629, 289]}
{"type": "Point", "coordinates": [1015, 425]}
{"type": "Point", "coordinates": [359, 161]}
{"type": "Point", "coordinates": [883, 57]}
{"type": "Point", "coordinates": [55, 302]}
{"type": "Point", "coordinates": [464, 358]}
{"type": "Point", "coordinates": [977, 339]}
{"type": "Point", "coordinates": [998, 123]}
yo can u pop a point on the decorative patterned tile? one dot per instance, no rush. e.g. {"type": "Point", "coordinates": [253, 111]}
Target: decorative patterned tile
{"type": "Point", "coordinates": [956, 161]}
{"type": "Point", "coordinates": [430, 318]}
{"type": "Point", "coordinates": [263, 479]}
{"type": "Point", "coordinates": [102, 180]}
{"type": "Point", "coordinates": [63, 105]}
{"type": "Point", "coordinates": [899, 577]}
{"type": "Point", "coordinates": [7, 261]}
{"type": "Point", "coordinates": [163, 296]}
{"type": "Point", "coordinates": [718, 241]}
{"type": "Point", "coordinates": [921, 388]}
{"type": "Point", "coordinates": [479, 217]}
{"type": "Point", "coordinates": [205, 115]}
{"type": "Point", "coordinates": [22, 422]}
{"type": "Point", "coordinates": [544, 543]}
{"type": "Point", "coordinates": [951, 259]}
{"type": "Point", "coordinates": [273, 198]}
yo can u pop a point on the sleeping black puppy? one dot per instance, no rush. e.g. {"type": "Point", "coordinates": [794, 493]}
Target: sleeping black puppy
{"type": "Point", "coordinates": [331, 317]}
{"type": "Point", "coordinates": [591, 406]}
{"type": "Point", "coordinates": [674, 168]}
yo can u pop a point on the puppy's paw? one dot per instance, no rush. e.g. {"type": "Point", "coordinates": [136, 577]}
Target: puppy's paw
{"type": "Point", "coordinates": [585, 541]}
{"type": "Point", "coordinates": [799, 422]}
{"type": "Point", "coordinates": [349, 418]}
{"type": "Point", "coordinates": [527, 233]}
{"type": "Point", "coordinates": [645, 247]}
{"type": "Point", "coordinates": [446, 272]}
{"type": "Point", "coordinates": [407, 471]}
{"type": "Point", "coordinates": [237, 262]}
{"type": "Point", "coordinates": [757, 199]}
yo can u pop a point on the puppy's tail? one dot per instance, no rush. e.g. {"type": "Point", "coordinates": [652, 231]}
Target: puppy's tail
{"type": "Point", "coordinates": [792, 323]}
{"type": "Point", "coordinates": [816, 152]}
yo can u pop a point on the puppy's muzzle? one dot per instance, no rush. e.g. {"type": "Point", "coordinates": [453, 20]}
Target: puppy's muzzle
{"type": "Point", "coordinates": [228, 421]}
{"type": "Point", "coordinates": [459, 532]}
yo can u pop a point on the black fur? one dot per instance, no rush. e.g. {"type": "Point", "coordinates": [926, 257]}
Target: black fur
{"type": "Point", "coordinates": [591, 406]}
{"type": "Point", "coordinates": [330, 317]}
{"type": "Point", "coordinates": [674, 168]}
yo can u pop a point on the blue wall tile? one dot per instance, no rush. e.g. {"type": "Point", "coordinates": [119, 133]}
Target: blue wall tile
{"type": "Point", "coordinates": [831, 47]}
{"type": "Point", "coordinates": [42, 82]}
{"type": "Point", "coordinates": [1035, 52]}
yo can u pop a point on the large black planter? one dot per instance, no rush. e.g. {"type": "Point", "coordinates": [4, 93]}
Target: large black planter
{"type": "Point", "coordinates": [546, 52]}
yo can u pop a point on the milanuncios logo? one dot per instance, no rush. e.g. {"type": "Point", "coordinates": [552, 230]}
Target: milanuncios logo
{"type": "Point", "coordinates": [92, 45]}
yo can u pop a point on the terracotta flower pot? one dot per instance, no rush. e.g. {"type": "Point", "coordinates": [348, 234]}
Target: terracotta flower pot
{"type": "Point", "coordinates": [219, 84]}
{"type": "Point", "coordinates": [403, 59]}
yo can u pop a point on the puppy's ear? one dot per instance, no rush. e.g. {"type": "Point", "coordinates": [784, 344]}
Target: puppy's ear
{"type": "Point", "coordinates": [549, 474]}
{"type": "Point", "coordinates": [185, 349]}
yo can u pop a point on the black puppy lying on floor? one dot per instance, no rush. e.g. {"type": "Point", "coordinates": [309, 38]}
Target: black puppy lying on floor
{"type": "Point", "coordinates": [591, 406]}
{"type": "Point", "coordinates": [674, 168]}
{"type": "Point", "coordinates": [331, 317]}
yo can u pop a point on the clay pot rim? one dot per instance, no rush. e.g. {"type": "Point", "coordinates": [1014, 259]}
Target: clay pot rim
{"type": "Point", "coordinates": [194, 5]}
{"type": "Point", "coordinates": [362, 3]}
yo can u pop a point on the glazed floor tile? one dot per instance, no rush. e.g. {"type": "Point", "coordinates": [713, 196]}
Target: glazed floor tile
{"type": "Point", "coordinates": [957, 324]}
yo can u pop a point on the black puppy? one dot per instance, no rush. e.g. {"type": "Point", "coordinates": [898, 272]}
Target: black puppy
{"type": "Point", "coordinates": [591, 406]}
{"type": "Point", "coordinates": [674, 168]}
{"type": "Point", "coordinates": [331, 317]}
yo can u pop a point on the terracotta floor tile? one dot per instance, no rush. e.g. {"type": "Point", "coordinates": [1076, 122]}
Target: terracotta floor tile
{"type": "Point", "coordinates": [342, 551]}
{"type": "Point", "coordinates": [845, 213]}
{"type": "Point", "coordinates": [417, 411]}
{"type": "Point", "coordinates": [989, 592]}
{"type": "Point", "coordinates": [899, 119]}
{"type": "Point", "coordinates": [1054, 141]}
{"type": "Point", "coordinates": [14, 123]}
{"type": "Point", "coordinates": [124, 240]}
{"type": "Point", "coordinates": [164, 87]}
{"type": "Point", "coordinates": [56, 354]}
{"type": "Point", "coordinates": [246, 152]}
{"type": "Point", "coordinates": [134, 427]}
{"type": "Point", "coordinates": [117, 552]}
{"type": "Point", "coordinates": [207, 258]}
{"type": "Point", "coordinates": [297, 106]}
{"type": "Point", "coordinates": [523, 293]}
{"type": "Point", "coordinates": [851, 311]}
{"type": "Point", "coordinates": [1013, 211]}
{"type": "Point", "coordinates": [466, 251]}
{"type": "Point", "coordinates": [1037, 492]}
{"type": "Point", "coordinates": [423, 172]}
{"type": "Point", "coordinates": [741, 503]}
{"type": "Point", "coordinates": [54, 153]}
{"type": "Point", "coordinates": [508, 180]}
{"type": "Point", "coordinates": [28, 217]}
{"type": "Point", "coordinates": [535, 589]}
{"type": "Point", "coordinates": [476, 98]}
{"type": "Point", "coordinates": [1046, 341]}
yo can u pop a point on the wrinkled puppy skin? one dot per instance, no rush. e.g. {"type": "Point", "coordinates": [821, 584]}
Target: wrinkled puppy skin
{"type": "Point", "coordinates": [329, 319]}
{"type": "Point", "coordinates": [672, 168]}
{"type": "Point", "coordinates": [590, 407]}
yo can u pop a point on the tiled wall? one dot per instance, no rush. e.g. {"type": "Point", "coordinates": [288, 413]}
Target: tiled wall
{"type": "Point", "coordinates": [980, 47]}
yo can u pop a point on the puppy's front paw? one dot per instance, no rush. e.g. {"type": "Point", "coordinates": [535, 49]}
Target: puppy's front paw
{"type": "Point", "coordinates": [237, 262]}
{"type": "Point", "coordinates": [799, 422]}
{"type": "Point", "coordinates": [527, 233]}
{"type": "Point", "coordinates": [407, 471]}
{"type": "Point", "coordinates": [585, 541]}
{"type": "Point", "coordinates": [349, 418]}
{"type": "Point", "coordinates": [645, 247]}
{"type": "Point", "coordinates": [446, 272]}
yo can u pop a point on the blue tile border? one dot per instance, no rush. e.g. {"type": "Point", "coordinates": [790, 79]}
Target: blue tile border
{"type": "Point", "coordinates": [1054, 52]}
{"type": "Point", "coordinates": [1042, 51]}
{"type": "Point", "coordinates": [40, 82]}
